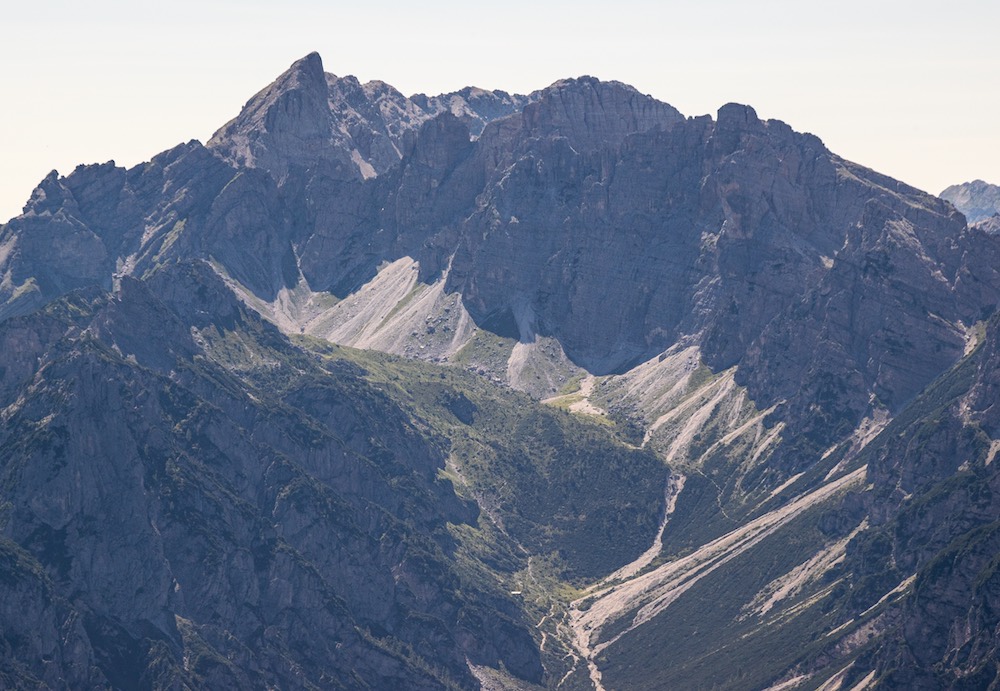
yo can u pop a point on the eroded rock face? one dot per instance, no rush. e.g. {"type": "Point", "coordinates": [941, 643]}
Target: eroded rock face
{"type": "Point", "coordinates": [44, 641]}
{"type": "Point", "coordinates": [990, 226]}
{"type": "Point", "coordinates": [159, 518]}
{"type": "Point", "coordinates": [933, 508]}
{"type": "Point", "coordinates": [289, 122]}
{"type": "Point", "coordinates": [357, 131]}
{"type": "Point", "coordinates": [813, 275]}
{"type": "Point", "coordinates": [473, 106]}
{"type": "Point", "coordinates": [51, 249]}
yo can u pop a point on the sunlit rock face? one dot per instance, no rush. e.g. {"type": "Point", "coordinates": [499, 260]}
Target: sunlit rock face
{"type": "Point", "coordinates": [978, 200]}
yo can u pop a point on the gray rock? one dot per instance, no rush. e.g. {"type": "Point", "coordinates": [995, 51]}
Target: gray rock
{"type": "Point", "coordinates": [990, 226]}
{"type": "Point", "coordinates": [209, 535]}
{"type": "Point", "coordinates": [978, 200]}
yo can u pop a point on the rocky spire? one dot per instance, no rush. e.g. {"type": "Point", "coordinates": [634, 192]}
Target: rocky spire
{"type": "Point", "coordinates": [287, 123]}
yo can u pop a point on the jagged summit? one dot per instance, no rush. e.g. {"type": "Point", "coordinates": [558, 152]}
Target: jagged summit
{"type": "Point", "coordinates": [358, 130]}
{"type": "Point", "coordinates": [595, 114]}
{"type": "Point", "coordinates": [304, 71]}
{"type": "Point", "coordinates": [737, 116]}
{"type": "Point", "coordinates": [289, 120]}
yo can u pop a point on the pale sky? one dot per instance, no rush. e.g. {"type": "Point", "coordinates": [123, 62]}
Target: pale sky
{"type": "Point", "coordinates": [911, 89]}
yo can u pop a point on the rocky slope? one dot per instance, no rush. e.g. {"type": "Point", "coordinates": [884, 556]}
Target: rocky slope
{"type": "Point", "coordinates": [764, 458]}
{"type": "Point", "coordinates": [198, 530]}
{"type": "Point", "coordinates": [933, 509]}
{"type": "Point", "coordinates": [191, 500]}
{"type": "Point", "coordinates": [883, 577]}
{"type": "Point", "coordinates": [978, 200]}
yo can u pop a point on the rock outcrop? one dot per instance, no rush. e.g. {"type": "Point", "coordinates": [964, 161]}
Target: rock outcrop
{"type": "Point", "coordinates": [990, 226]}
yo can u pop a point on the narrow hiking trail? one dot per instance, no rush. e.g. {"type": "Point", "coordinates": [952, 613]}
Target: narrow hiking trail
{"type": "Point", "coordinates": [578, 401]}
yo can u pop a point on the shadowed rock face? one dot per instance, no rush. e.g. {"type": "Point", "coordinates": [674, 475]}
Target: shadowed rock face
{"type": "Point", "coordinates": [812, 274]}
{"type": "Point", "coordinates": [933, 507]}
{"type": "Point", "coordinates": [152, 496]}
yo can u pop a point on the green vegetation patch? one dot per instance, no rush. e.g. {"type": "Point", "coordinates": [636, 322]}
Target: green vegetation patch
{"type": "Point", "coordinates": [555, 482]}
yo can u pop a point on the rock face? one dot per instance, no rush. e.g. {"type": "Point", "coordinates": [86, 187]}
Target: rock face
{"type": "Point", "coordinates": [742, 234]}
{"type": "Point", "coordinates": [807, 344]}
{"type": "Point", "coordinates": [934, 505]}
{"type": "Point", "coordinates": [179, 527]}
{"type": "Point", "coordinates": [473, 106]}
{"type": "Point", "coordinates": [990, 226]}
{"type": "Point", "coordinates": [978, 200]}
{"type": "Point", "coordinates": [190, 500]}
{"type": "Point", "coordinates": [356, 130]}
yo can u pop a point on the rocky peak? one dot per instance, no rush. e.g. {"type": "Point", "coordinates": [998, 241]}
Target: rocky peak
{"type": "Point", "coordinates": [593, 114]}
{"type": "Point", "coordinates": [978, 199]}
{"type": "Point", "coordinates": [305, 71]}
{"type": "Point", "coordinates": [49, 196]}
{"type": "Point", "coordinates": [763, 306]}
{"type": "Point", "coordinates": [307, 116]}
{"type": "Point", "coordinates": [399, 113]}
{"type": "Point", "coordinates": [370, 121]}
{"type": "Point", "coordinates": [287, 123]}
{"type": "Point", "coordinates": [990, 226]}
{"type": "Point", "coordinates": [737, 116]}
{"type": "Point", "coordinates": [736, 124]}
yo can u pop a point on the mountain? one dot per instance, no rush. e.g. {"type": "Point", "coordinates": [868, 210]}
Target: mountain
{"type": "Point", "coordinates": [978, 200]}
{"type": "Point", "coordinates": [565, 390]}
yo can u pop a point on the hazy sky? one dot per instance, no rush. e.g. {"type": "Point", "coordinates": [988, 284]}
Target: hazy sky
{"type": "Point", "coordinates": [911, 89]}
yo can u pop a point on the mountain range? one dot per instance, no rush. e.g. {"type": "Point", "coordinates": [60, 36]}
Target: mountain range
{"type": "Point", "coordinates": [481, 390]}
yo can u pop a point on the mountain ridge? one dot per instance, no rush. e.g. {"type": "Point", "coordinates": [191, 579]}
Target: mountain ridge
{"type": "Point", "coordinates": [781, 357]}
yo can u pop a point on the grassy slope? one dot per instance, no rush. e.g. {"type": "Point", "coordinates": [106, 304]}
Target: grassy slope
{"type": "Point", "coordinates": [553, 482]}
